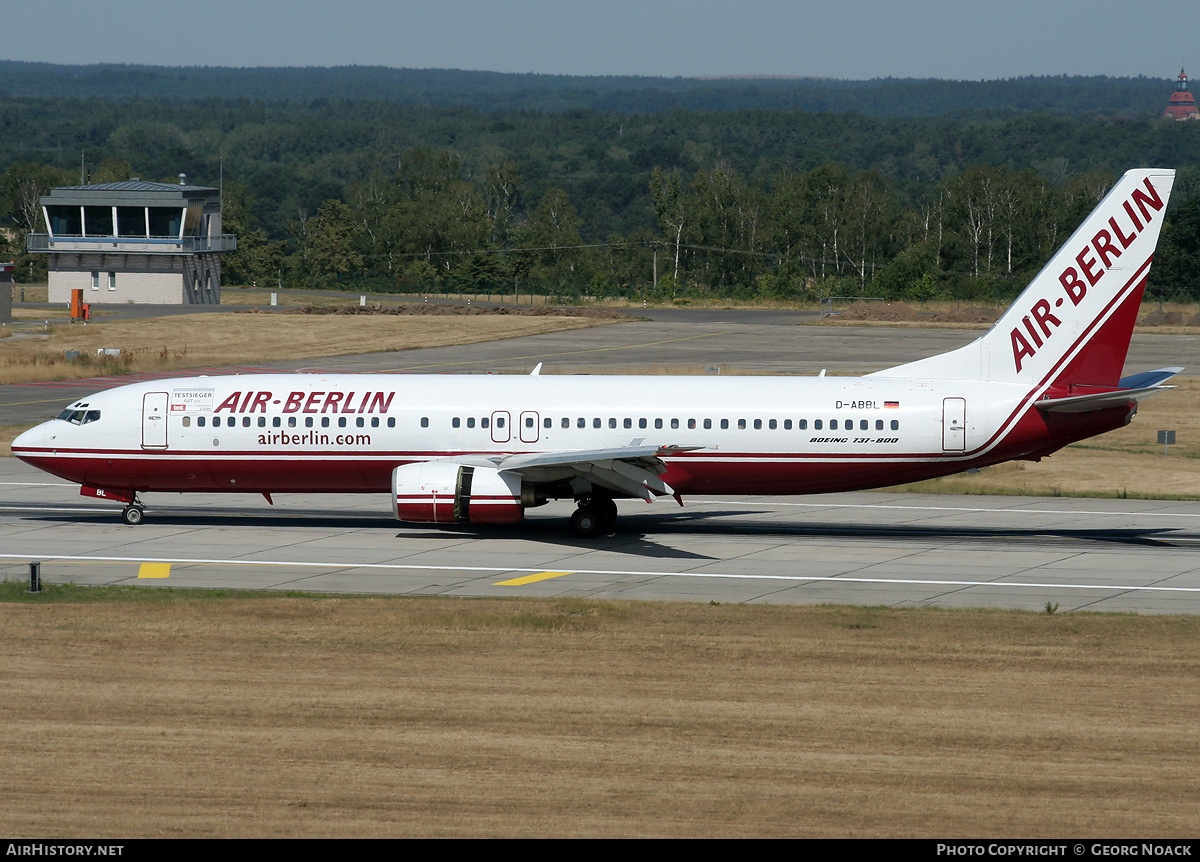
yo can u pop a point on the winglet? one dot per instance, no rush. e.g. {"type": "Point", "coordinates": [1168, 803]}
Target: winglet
{"type": "Point", "coordinates": [537, 371]}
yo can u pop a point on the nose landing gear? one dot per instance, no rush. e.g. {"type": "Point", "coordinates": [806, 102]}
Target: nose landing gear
{"type": "Point", "coordinates": [133, 513]}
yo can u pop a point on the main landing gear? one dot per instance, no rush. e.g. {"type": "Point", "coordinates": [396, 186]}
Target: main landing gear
{"type": "Point", "coordinates": [595, 515]}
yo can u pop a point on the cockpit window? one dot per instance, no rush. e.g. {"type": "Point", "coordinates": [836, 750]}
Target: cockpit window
{"type": "Point", "coordinates": [79, 417]}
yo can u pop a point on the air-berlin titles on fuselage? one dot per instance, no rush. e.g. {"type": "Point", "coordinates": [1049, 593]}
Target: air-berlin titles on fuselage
{"type": "Point", "coordinates": [1093, 260]}
{"type": "Point", "coordinates": [308, 402]}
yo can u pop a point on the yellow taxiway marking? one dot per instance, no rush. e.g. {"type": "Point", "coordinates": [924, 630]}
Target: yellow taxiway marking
{"type": "Point", "coordinates": [530, 579]}
{"type": "Point", "coordinates": [154, 570]}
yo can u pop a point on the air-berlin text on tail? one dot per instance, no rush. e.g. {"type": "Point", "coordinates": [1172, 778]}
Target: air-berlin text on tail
{"type": "Point", "coordinates": [1090, 264]}
{"type": "Point", "coordinates": [306, 402]}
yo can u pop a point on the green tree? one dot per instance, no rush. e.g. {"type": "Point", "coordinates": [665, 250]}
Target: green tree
{"type": "Point", "coordinates": [550, 239]}
{"type": "Point", "coordinates": [257, 259]}
{"type": "Point", "coordinates": [670, 205]}
{"type": "Point", "coordinates": [327, 244]}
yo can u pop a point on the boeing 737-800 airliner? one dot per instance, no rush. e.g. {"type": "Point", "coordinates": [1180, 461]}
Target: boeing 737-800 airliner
{"type": "Point", "coordinates": [483, 449]}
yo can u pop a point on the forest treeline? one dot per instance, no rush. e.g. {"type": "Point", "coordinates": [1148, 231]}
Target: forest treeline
{"type": "Point", "coordinates": [490, 91]}
{"type": "Point", "coordinates": [381, 195]}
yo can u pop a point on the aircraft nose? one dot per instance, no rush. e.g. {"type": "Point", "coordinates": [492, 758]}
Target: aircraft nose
{"type": "Point", "coordinates": [34, 437]}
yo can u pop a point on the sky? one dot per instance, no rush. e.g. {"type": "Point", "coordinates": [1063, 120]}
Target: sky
{"type": "Point", "coordinates": [848, 39]}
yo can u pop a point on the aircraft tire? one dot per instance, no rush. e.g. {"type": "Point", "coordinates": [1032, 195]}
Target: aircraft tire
{"type": "Point", "coordinates": [607, 510]}
{"type": "Point", "coordinates": [586, 522]}
{"type": "Point", "coordinates": [133, 515]}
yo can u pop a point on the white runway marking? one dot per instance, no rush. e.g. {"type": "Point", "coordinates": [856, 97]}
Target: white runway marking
{"type": "Point", "coordinates": [41, 484]}
{"type": "Point", "coordinates": [76, 509]}
{"type": "Point", "coordinates": [619, 573]}
{"type": "Point", "coordinates": [953, 508]}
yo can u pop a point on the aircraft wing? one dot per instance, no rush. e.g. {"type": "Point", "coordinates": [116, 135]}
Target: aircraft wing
{"type": "Point", "coordinates": [632, 470]}
{"type": "Point", "coordinates": [1133, 388]}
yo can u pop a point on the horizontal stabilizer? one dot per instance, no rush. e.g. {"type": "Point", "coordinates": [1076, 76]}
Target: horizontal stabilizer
{"type": "Point", "coordinates": [1098, 400]}
{"type": "Point", "coordinates": [1148, 378]}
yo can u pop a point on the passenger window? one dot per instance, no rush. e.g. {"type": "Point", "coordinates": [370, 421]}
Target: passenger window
{"type": "Point", "coordinates": [691, 423]}
{"type": "Point", "coordinates": [674, 423]}
{"type": "Point", "coordinates": [484, 422]}
{"type": "Point", "coordinates": [802, 424]}
{"type": "Point", "coordinates": [642, 422]}
{"type": "Point", "coordinates": [772, 425]}
{"type": "Point", "coordinates": [547, 422]}
{"type": "Point", "coordinates": [741, 424]}
{"type": "Point", "coordinates": [308, 422]}
{"type": "Point", "coordinates": [470, 421]}
{"type": "Point", "coordinates": [596, 422]}
{"type": "Point", "coordinates": [757, 424]}
{"type": "Point", "coordinates": [291, 421]}
{"type": "Point", "coordinates": [612, 422]}
{"type": "Point", "coordinates": [787, 424]}
{"type": "Point", "coordinates": [455, 422]}
{"type": "Point", "coordinates": [895, 424]}
{"type": "Point", "coordinates": [262, 421]}
{"type": "Point", "coordinates": [324, 421]}
{"type": "Point", "coordinates": [580, 422]}
{"type": "Point", "coordinates": [361, 422]}
{"type": "Point", "coordinates": [374, 421]}
{"type": "Point", "coordinates": [341, 421]}
{"type": "Point", "coordinates": [200, 421]}
{"type": "Point", "coordinates": [817, 425]}
{"type": "Point", "coordinates": [424, 422]}
{"type": "Point", "coordinates": [499, 421]}
{"type": "Point", "coordinates": [391, 422]}
{"type": "Point", "coordinates": [658, 423]}
{"type": "Point", "coordinates": [863, 425]}
{"type": "Point", "coordinates": [628, 423]}
{"type": "Point", "coordinates": [528, 421]}
{"type": "Point", "coordinates": [878, 424]}
{"type": "Point", "coordinates": [566, 423]}
{"type": "Point", "coordinates": [707, 424]}
{"type": "Point", "coordinates": [833, 425]}
{"type": "Point", "coordinates": [276, 421]}
{"type": "Point", "coordinates": [724, 424]}
{"type": "Point", "coordinates": [187, 421]}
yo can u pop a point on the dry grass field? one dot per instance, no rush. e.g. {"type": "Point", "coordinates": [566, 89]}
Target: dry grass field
{"type": "Point", "coordinates": [135, 713]}
{"type": "Point", "coordinates": [198, 341]}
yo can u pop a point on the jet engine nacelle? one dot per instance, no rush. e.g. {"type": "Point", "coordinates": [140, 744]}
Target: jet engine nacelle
{"type": "Point", "coordinates": [443, 492]}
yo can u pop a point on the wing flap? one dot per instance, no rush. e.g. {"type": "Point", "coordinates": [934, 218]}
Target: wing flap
{"type": "Point", "coordinates": [634, 470]}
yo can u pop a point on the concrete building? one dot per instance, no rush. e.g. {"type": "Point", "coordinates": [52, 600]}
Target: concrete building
{"type": "Point", "coordinates": [134, 241]}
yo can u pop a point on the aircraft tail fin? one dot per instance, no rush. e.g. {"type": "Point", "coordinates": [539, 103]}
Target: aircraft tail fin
{"type": "Point", "coordinates": [1072, 323]}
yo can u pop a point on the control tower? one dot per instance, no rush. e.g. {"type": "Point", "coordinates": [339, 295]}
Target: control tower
{"type": "Point", "coordinates": [134, 241]}
{"type": "Point", "coordinates": [1182, 105]}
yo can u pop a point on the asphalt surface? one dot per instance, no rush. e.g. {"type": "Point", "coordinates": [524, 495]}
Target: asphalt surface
{"type": "Point", "coordinates": [866, 548]}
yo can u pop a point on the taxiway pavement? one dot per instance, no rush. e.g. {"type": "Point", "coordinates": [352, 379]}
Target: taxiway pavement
{"type": "Point", "coordinates": [869, 548]}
